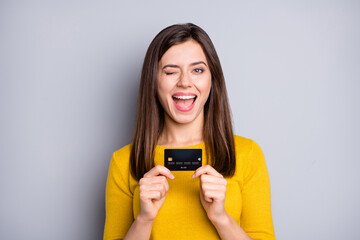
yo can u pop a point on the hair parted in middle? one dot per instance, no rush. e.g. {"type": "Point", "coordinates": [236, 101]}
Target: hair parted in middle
{"type": "Point", "coordinates": [217, 130]}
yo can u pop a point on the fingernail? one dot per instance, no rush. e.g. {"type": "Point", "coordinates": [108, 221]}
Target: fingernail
{"type": "Point", "coordinates": [172, 176]}
{"type": "Point", "coordinates": [193, 175]}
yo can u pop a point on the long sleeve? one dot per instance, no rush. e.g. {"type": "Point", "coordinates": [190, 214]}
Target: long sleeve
{"type": "Point", "coordinates": [118, 199]}
{"type": "Point", "coordinates": [182, 216]}
{"type": "Point", "coordinates": [256, 219]}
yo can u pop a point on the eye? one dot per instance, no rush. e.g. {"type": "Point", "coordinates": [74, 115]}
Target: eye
{"type": "Point", "coordinates": [198, 70]}
{"type": "Point", "coordinates": [170, 73]}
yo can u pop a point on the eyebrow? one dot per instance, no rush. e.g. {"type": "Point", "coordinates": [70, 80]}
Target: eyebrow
{"type": "Point", "coordinates": [191, 64]}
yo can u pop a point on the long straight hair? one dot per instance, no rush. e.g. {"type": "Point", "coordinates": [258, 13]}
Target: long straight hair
{"type": "Point", "coordinates": [217, 130]}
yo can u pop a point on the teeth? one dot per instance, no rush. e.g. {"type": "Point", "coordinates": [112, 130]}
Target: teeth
{"type": "Point", "coordinates": [184, 97]}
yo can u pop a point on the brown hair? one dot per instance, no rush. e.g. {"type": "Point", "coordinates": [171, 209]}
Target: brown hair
{"type": "Point", "coordinates": [217, 131]}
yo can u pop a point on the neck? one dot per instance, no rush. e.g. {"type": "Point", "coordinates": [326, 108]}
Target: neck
{"type": "Point", "coordinates": [177, 134]}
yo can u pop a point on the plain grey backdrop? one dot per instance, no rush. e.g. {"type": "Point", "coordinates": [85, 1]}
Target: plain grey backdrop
{"type": "Point", "coordinates": [69, 73]}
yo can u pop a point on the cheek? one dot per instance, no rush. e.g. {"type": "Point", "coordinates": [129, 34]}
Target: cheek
{"type": "Point", "coordinates": [163, 90]}
{"type": "Point", "coordinates": [205, 86]}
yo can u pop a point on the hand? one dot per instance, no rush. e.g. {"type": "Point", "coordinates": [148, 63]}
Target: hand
{"type": "Point", "coordinates": [212, 192]}
{"type": "Point", "coordinates": [153, 189]}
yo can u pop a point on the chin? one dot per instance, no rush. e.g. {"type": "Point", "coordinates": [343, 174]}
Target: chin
{"type": "Point", "coordinates": [184, 118]}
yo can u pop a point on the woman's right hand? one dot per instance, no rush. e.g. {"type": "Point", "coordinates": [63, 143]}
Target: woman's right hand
{"type": "Point", "coordinates": [153, 189]}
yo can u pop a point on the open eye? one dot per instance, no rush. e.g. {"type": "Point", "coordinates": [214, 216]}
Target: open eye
{"type": "Point", "coordinates": [198, 70]}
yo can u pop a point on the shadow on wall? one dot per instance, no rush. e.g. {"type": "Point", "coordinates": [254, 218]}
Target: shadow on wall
{"type": "Point", "coordinates": [125, 104]}
{"type": "Point", "coordinates": [121, 101]}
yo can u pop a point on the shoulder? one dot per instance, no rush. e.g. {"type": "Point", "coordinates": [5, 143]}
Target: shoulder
{"type": "Point", "coordinates": [120, 161]}
{"type": "Point", "coordinates": [245, 145]}
{"type": "Point", "coordinates": [248, 154]}
{"type": "Point", "coordinates": [122, 153]}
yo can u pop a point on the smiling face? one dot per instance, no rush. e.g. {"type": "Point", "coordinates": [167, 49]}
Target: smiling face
{"type": "Point", "coordinates": [184, 82]}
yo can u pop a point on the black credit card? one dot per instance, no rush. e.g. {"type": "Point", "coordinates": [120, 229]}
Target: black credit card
{"type": "Point", "coordinates": [183, 159]}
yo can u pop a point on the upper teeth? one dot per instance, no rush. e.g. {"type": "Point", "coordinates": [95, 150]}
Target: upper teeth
{"type": "Point", "coordinates": [184, 97]}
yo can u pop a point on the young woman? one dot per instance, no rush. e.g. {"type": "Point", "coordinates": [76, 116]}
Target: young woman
{"type": "Point", "coordinates": [183, 103]}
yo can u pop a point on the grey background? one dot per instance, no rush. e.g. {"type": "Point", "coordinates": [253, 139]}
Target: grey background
{"type": "Point", "coordinates": [69, 73]}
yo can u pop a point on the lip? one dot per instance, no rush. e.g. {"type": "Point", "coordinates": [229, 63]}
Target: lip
{"type": "Point", "coordinates": [183, 94]}
{"type": "Point", "coordinates": [184, 109]}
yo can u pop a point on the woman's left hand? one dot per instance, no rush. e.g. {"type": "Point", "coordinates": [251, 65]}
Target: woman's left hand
{"type": "Point", "coordinates": [212, 192]}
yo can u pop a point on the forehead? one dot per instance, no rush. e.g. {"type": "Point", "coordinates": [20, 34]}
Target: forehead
{"type": "Point", "coordinates": [183, 53]}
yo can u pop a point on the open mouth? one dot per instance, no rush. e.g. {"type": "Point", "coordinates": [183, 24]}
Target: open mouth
{"type": "Point", "coordinates": [184, 102]}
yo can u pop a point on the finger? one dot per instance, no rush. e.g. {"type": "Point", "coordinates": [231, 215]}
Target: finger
{"type": "Point", "coordinates": [151, 195]}
{"type": "Point", "coordinates": [212, 179]}
{"type": "Point", "coordinates": [155, 180]}
{"type": "Point", "coordinates": [207, 169]}
{"type": "Point", "coordinates": [205, 198]}
{"type": "Point", "coordinates": [152, 180]}
{"type": "Point", "coordinates": [214, 195]}
{"type": "Point", "coordinates": [159, 170]}
{"type": "Point", "coordinates": [213, 187]}
{"type": "Point", "coordinates": [163, 188]}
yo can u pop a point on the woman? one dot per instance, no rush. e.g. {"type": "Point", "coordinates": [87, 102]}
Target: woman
{"type": "Point", "coordinates": [183, 104]}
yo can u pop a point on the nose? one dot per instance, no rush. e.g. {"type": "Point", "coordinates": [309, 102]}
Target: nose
{"type": "Point", "coordinates": [184, 81]}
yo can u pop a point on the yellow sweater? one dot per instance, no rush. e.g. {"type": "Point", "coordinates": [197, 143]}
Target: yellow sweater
{"type": "Point", "coordinates": [182, 215]}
